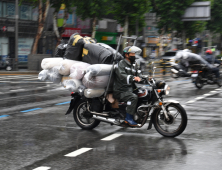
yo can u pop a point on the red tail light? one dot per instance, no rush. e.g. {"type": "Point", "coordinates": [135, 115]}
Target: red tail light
{"type": "Point", "coordinates": [72, 93]}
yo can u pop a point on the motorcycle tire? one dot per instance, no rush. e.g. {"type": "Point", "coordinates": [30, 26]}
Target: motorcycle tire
{"type": "Point", "coordinates": [158, 121]}
{"type": "Point", "coordinates": [198, 83]}
{"type": "Point", "coordinates": [89, 122]}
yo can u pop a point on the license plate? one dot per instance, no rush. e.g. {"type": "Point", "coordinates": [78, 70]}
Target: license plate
{"type": "Point", "coordinates": [194, 75]}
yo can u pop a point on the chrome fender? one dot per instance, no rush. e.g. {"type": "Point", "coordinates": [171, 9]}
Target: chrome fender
{"type": "Point", "coordinates": [166, 103]}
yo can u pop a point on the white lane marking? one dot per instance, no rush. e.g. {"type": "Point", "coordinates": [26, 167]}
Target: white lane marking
{"type": "Point", "coordinates": [198, 98]}
{"type": "Point", "coordinates": [42, 168]}
{"type": "Point", "coordinates": [17, 90]}
{"type": "Point", "coordinates": [213, 91]}
{"type": "Point", "coordinates": [207, 94]}
{"type": "Point", "coordinates": [78, 152]}
{"type": "Point", "coordinates": [111, 137]}
{"type": "Point", "coordinates": [191, 101]}
{"type": "Point", "coordinates": [218, 89]}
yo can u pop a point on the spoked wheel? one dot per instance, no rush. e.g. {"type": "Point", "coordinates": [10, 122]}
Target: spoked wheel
{"type": "Point", "coordinates": [199, 83]}
{"type": "Point", "coordinates": [83, 117]}
{"type": "Point", "coordinates": [175, 125]}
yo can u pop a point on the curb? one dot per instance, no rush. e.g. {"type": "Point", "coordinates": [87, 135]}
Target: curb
{"type": "Point", "coordinates": [3, 73]}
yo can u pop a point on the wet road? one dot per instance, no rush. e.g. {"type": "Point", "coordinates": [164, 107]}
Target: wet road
{"type": "Point", "coordinates": [35, 133]}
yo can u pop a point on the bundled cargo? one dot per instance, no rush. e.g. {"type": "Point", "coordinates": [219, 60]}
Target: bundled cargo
{"type": "Point", "coordinates": [113, 51]}
{"type": "Point", "coordinates": [96, 54]}
{"type": "Point", "coordinates": [99, 70]}
{"type": "Point", "coordinates": [48, 63]}
{"type": "Point", "coordinates": [65, 66]}
{"type": "Point", "coordinates": [53, 75]}
{"type": "Point", "coordinates": [75, 45]}
{"type": "Point", "coordinates": [71, 84]}
{"type": "Point", "coordinates": [95, 82]}
{"type": "Point", "coordinates": [91, 93]}
{"type": "Point", "coordinates": [60, 50]}
{"type": "Point", "coordinates": [43, 75]}
{"type": "Point", "coordinates": [77, 71]}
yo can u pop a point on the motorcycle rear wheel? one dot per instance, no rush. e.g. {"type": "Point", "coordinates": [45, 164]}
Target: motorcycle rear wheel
{"type": "Point", "coordinates": [177, 114]}
{"type": "Point", "coordinates": [83, 118]}
{"type": "Point", "coordinates": [199, 83]}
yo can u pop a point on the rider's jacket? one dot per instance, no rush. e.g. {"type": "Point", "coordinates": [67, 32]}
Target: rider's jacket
{"type": "Point", "coordinates": [123, 77]}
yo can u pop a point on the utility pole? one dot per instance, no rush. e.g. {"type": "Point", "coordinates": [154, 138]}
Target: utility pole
{"type": "Point", "coordinates": [16, 35]}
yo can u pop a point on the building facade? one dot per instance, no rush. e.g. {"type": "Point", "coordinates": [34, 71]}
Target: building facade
{"type": "Point", "coordinates": [27, 27]}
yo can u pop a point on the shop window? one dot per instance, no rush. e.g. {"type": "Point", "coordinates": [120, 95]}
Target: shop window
{"type": "Point", "coordinates": [25, 12]}
{"type": "Point", "coordinates": [9, 10]}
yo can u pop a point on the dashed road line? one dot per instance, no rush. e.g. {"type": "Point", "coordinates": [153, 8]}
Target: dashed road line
{"type": "Point", "coordinates": [62, 103]}
{"type": "Point", "coordinates": [111, 137]}
{"type": "Point", "coordinates": [2, 116]}
{"type": "Point", "coordinates": [78, 152]}
{"type": "Point", "coordinates": [42, 168]}
{"type": "Point", "coordinates": [30, 110]}
{"type": "Point", "coordinates": [204, 96]}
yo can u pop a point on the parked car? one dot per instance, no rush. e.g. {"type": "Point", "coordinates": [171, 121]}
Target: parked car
{"type": "Point", "coordinates": [168, 57]}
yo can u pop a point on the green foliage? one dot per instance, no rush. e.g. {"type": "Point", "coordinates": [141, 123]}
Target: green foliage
{"type": "Point", "coordinates": [54, 4]}
{"type": "Point", "coordinates": [215, 24]}
{"type": "Point", "coordinates": [132, 8]}
{"type": "Point", "coordinates": [91, 8]}
{"type": "Point", "coordinates": [170, 12]}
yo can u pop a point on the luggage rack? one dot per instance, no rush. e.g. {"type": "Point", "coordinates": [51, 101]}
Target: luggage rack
{"type": "Point", "coordinates": [117, 50]}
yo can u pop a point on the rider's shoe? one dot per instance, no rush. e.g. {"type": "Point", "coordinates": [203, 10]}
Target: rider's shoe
{"type": "Point", "coordinates": [129, 120]}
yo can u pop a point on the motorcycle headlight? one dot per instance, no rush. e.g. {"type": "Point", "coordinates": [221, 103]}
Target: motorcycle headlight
{"type": "Point", "coordinates": [166, 89]}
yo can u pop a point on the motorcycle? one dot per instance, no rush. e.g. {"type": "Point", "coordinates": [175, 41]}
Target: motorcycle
{"type": "Point", "coordinates": [203, 76]}
{"type": "Point", "coordinates": [168, 117]}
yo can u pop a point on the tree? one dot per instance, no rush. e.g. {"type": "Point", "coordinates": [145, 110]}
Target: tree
{"type": "Point", "coordinates": [127, 12]}
{"type": "Point", "coordinates": [215, 24]}
{"type": "Point", "coordinates": [169, 13]}
{"type": "Point", "coordinates": [43, 7]}
{"type": "Point", "coordinates": [94, 9]}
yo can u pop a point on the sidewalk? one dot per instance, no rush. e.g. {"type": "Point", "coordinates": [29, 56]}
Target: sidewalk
{"type": "Point", "coordinates": [19, 72]}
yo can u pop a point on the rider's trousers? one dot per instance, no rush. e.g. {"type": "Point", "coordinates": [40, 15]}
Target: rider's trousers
{"type": "Point", "coordinates": [131, 99]}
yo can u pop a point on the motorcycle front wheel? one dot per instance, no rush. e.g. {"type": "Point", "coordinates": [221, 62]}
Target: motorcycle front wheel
{"type": "Point", "coordinates": [175, 125]}
{"type": "Point", "coordinates": [83, 117]}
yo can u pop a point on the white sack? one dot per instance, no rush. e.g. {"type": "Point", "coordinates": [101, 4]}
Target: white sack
{"type": "Point", "coordinates": [48, 63]}
{"type": "Point", "coordinates": [71, 84]}
{"type": "Point", "coordinates": [99, 70]}
{"type": "Point", "coordinates": [91, 93]}
{"type": "Point", "coordinates": [95, 82]}
{"type": "Point", "coordinates": [43, 75]}
{"type": "Point", "coordinates": [65, 66]}
{"type": "Point", "coordinates": [77, 71]}
{"type": "Point", "coordinates": [53, 75]}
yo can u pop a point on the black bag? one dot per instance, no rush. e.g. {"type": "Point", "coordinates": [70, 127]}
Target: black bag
{"type": "Point", "coordinates": [74, 47]}
{"type": "Point", "coordinates": [113, 51]}
{"type": "Point", "coordinates": [96, 54]}
{"type": "Point", "coordinates": [60, 50]}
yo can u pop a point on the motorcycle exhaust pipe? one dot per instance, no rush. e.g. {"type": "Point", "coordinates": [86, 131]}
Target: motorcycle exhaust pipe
{"type": "Point", "coordinates": [174, 70]}
{"type": "Point", "coordinates": [108, 120]}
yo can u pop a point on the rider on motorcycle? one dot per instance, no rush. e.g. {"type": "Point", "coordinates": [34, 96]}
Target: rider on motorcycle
{"type": "Point", "coordinates": [125, 75]}
{"type": "Point", "coordinates": [209, 57]}
{"type": "Point", "coordinates": [187, 58]}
